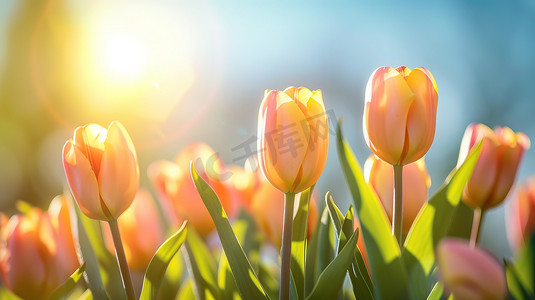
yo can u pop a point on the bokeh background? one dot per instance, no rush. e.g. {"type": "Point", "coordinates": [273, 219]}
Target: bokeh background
{"type": "Point", "coordinates": [177, 72]}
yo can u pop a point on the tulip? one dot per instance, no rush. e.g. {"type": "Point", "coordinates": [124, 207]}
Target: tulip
{"type": "Point", "coordinates": [37, 251]}
{"type": "Point", "coordinates": [416, 182]}
{"type": "Point", "coordinates": [496, 168]}
{"type": "Point", "coordinates": [244, 184]}
{"type": "Point", "coordinates": [102, 170]}
{"type": "Point", "coordinates": [521, 215]}
{"type": "Point", "coordinates": [176, 189]}
{"type": "Point", "coordinates": [293, 138]}
{"type": "Point", "coordinates": [400, 113]}
{"type": "Point", "coordinates": [470, 273]}
{"type": "Point", "coordinates": [141, 230]}
{"type": "Point", "coordinates": [267, 205]}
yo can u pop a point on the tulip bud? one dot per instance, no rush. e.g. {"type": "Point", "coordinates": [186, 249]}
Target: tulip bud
{"type": "Point", "coordinates": [37, 251]}
{"type": "Point", "coordinates": [293, 136]}
{"type": "Point", "coordinates": [142, 233]}
{"type": "Point", "coordinates": [102, 170]}
{"type": "Point", "coordinates": [400, 114]}
{"type": "Point", "coordinates": [521, 215]}
{"type": "Point", "coordinates": [416, 182]}
{"type": "Point", "coordinates": [495, 170]}
{"type": "Point", "coordinates": [176, 188]}
{"type": "Point", "coordinates": [267, 205]}
{"type": "Point", "coordinates": [470, 273]}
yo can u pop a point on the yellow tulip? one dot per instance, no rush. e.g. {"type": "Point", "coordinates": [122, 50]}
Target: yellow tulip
{"type": "Point", "coordinates": [496, 168]}
{"type": "Point", "coordinates": [102, 170]}
{"type": "Point", "coordinates": [470, 273]}
{"type": "Point", "coordinates": [37, 251]}
{"type": "Point", "coordinates": [416, 182]}
{"type": "Point", "coordinates": [293, 138]}
{"type": "Point", "coordinates": [400, 114]}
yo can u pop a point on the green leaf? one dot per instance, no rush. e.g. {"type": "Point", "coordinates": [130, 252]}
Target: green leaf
{"type": "Point", "coordinates": [159, 262]}
{"type": "Point", "coordinates": [67, 286]}
{"type": "Point", "coordinates": [432, 224]}
{"type": "Point", "coordinates": [436, 292]}
{"type": "Point", "coordinates": [88, 237]}
{"type": "Point", "coordinates": [186, 292]}
{"type": "Point", "coordinates": [312, 257]}
{"type": "Point", "coordinates": [248, 284]}
{"type": "Point", "coordinates": [299, 242]}
{"type": "Point", "coordinates": [202, 267]}
{"type": "Point", "coordinates": [521, 274]}
{"type": "Point", "coordinates": [268, 279]}
{"type": "Point", "coordinates": [172, 280]}
{"type": "Point", "coordinates": [331, 280]}
{"type": "Point", "coordinates": [383, 250]}
{"type": "Point", "coordinates": [326, 245]}
{"type": "Point", "coordinates": [358, 273]}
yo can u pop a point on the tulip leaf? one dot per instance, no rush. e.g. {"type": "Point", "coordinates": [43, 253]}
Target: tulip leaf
{"type": "Point", "coordinates": [159, 263]}
{"type": "Point", "coordinates": [202, 267]}
{"type": "Point", "coordinates": [299, 242]}
{"type": "Point", "coordinates": [186, 292]}
{"type": "Point", "coordinates": [331, 280]}
{"type": "Point", "coordinates": [432, 224]}
{"type": "Point", "coordinates": [245, 277]}
{"type": "Point", "coordinates": [521, 274]}
{"type": "Point", "coordinates": [326, 245]}
{"type": "Point", "coordinates": [172, 280]}
{"type": "Point", "coordinates": [383, 250]}
{"type": "Point", "coordinates": [67, 286]}
{"type": "Point", "coordinates": [312, 257]}
{"type": "Point", "coordinates": [436, 292]}
{"type": "Point", "coordinates": [268, 280]}
{"type": "Point", "coordinates": [358, 274]}
{"type": "Point", "coordinates": [87, 233]}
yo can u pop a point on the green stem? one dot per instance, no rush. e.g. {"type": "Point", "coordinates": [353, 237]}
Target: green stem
{"type": "Point", "coordinates": [397, 218]}
{"type": "Point", "coordinates": [121, 258]}
{"type": "Point", "coordinates": [286, 249]}
{"type": "Point", "coordinates": [476, 226]}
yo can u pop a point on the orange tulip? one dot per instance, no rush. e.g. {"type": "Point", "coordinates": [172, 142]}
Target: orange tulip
{"type": "Point", "coordinates": [102, 170]}
{"type": "Point", "coordinates": [243, 184]}
{"type": "Point", "coordinates": [416, 182]}
{"type": "Point", "coordinates": [267, 205]}
{"type": "Point", "coordinates": [37, 251]}
{"type": "Point", "coordinates": [470, 273]}
{"type": "Point", "coordinates": [142, 232]}
{"type": "Point", "coordinates": [521, 215]}
{"type": "Point", "coordinates": [400, 114]}
{"type": "Point", "coordinates": [496, 167]}
{"type": "Point", "coordinates": [175, 186]}
{"type": "Point", "coordinates": [293, 138]}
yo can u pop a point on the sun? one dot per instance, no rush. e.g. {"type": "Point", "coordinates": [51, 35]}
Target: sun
{"type": "Point", "coordinates": [124, 55]}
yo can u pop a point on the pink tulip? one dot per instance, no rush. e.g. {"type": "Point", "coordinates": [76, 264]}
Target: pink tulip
{"type": "Point", "coordinates": [496, 168]}
{"type": "Point", "coordinates": [470, 273]}
{"type": "Point", "coordinates": [37, 251]}
{"type": "Point", "coordinates": [102, 170]}
{"type": "Point", "coordinates": [176, 188]}
{"type": "Point", "coordinates": [521, 215]}
{"type": "Point", "coordinates": [416, 182]}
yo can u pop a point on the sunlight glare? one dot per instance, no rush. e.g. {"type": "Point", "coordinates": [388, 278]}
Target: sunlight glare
{"type": "Point", "coordinates": [125, 55]}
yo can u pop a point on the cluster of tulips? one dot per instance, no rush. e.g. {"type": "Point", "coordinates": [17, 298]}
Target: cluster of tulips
{"type": "Point", "coordinates": [115, 241]}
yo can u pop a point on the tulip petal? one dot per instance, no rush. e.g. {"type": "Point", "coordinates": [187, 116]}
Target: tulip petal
{"type": "Point", "coordinates": [90, 140]}
{"type": "Point", "coordinates": [119, 171]}
{"type": "Point", "coordinates": [82, 181]}
{"type": "Point", "coordinates": [318, 146]}
{"type": "Point", "coordinates": [422, 115]}
{"type": "Point", "coordinates": [478, 189]}
{"type": "Point", "coordinates": [267, 124]}
{"type": "Point", "coordinates": [388, 100]}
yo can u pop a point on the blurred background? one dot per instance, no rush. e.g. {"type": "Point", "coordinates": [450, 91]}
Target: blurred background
{"type": "Point", "coordinates": [177, 72]}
